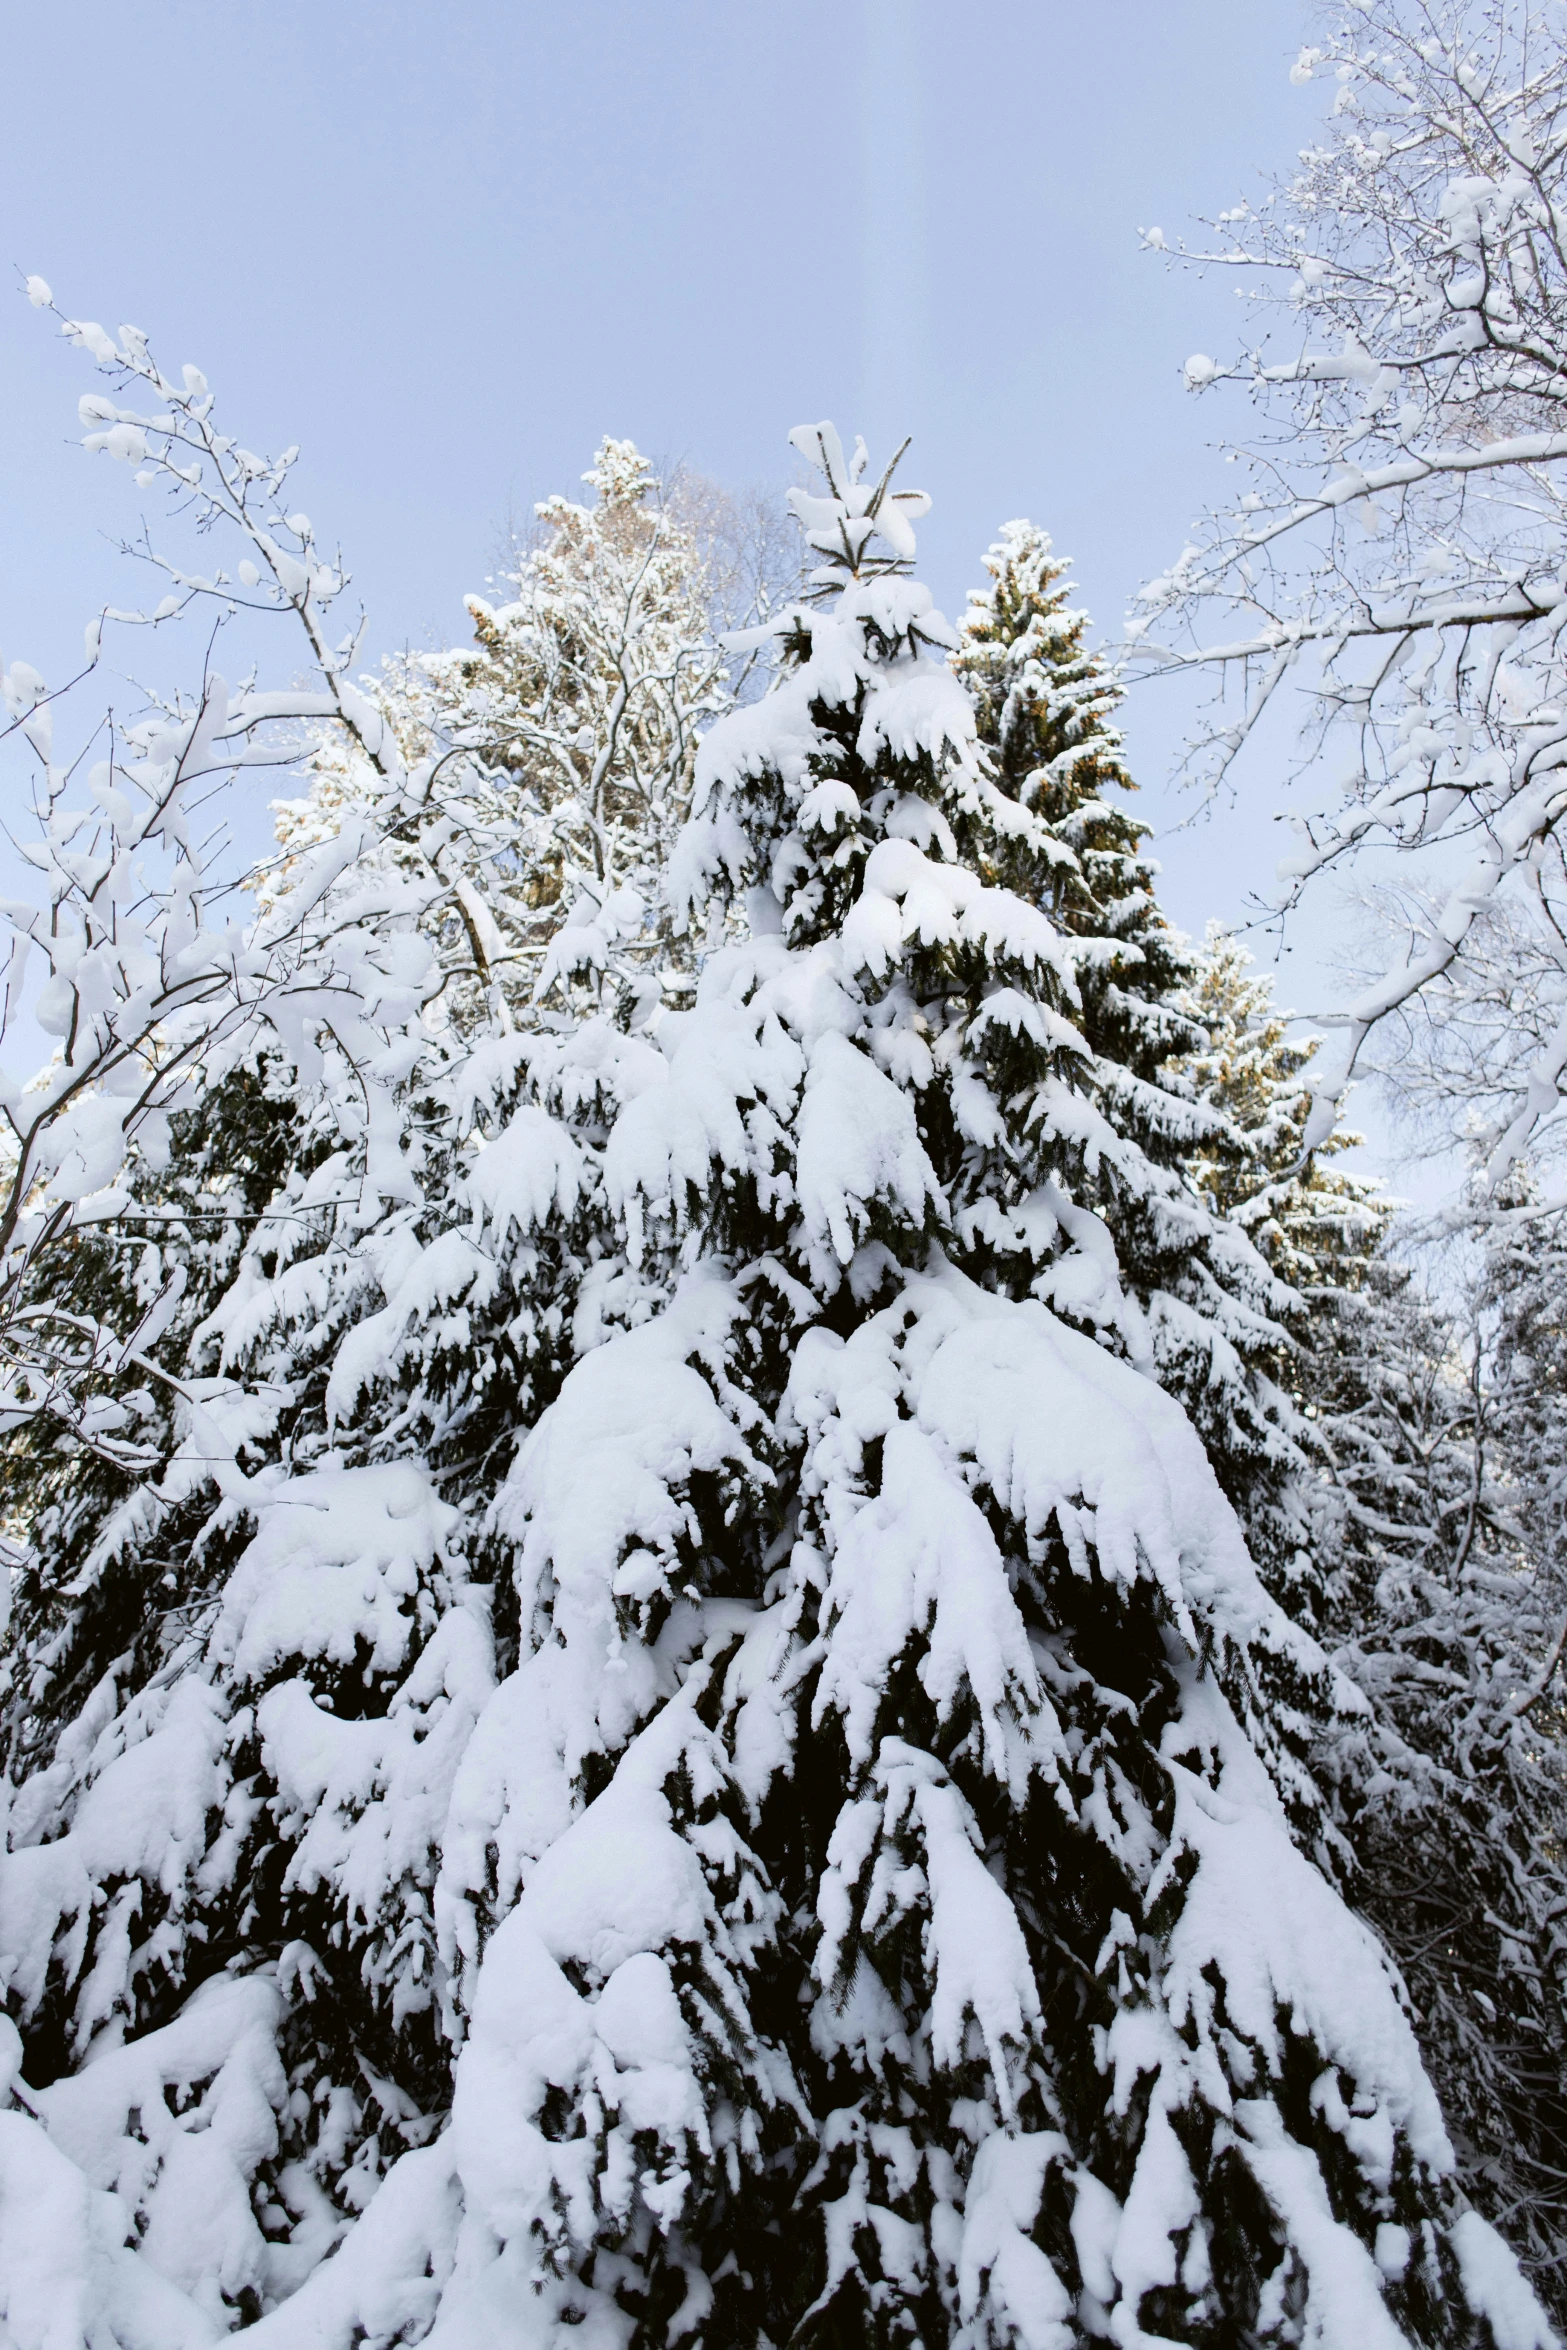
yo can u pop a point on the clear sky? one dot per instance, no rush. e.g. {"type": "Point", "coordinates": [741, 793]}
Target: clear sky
{"type": "Point", "coordinates": [446, 247]}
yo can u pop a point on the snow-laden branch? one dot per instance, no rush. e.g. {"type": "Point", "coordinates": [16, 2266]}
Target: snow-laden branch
{"type": "Point", "coordinates": [1400, 550]}
{"type": "Point", "coordinates": [136, 948]}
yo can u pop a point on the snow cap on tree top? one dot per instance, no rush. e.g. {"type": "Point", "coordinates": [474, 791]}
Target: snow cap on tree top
{"type": "Point", "coordinates": [843, 525]}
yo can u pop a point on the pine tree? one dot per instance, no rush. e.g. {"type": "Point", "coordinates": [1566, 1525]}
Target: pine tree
{"type": "Point", "coordinates": [1044, 708]}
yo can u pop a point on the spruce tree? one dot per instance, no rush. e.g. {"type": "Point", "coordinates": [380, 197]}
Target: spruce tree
{"type": "Point", "coordinates": [921, 1917]}
{"type": "Point", "coordinates": [1044, 706]}
{"type": "Point", "coordinates": [906, 1917]}
{"type": "Point", "coordinates": [1319, 1226]}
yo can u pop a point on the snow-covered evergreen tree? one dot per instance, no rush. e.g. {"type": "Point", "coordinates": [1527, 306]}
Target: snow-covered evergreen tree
{"type": "Point", "coordinates": [362, 1301]}
{"type": "Point", "coordinates": [566, 744]}
{"type": "Point", "coordinates": [836, 1802]}
{"type": "Point", "coordinates": [921, 1630]}
{"type": "Point", "coordinates": [1437, 1588]}
{"type": "Point", "coordinates": [1044, 708]}
{"type": "Point", "coordinates": [1316, 1224]}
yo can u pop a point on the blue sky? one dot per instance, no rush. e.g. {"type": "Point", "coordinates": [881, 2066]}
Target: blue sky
{"type": "Point", "coordinates": [445, 247]}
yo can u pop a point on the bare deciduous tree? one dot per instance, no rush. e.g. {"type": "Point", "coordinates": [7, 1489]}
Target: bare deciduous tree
{"type": "Point", "coordinates": [1400, 548]}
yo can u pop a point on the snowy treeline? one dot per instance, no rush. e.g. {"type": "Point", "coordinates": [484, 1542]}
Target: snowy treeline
{"type": "Point", "coordinates": [749, 1604]}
